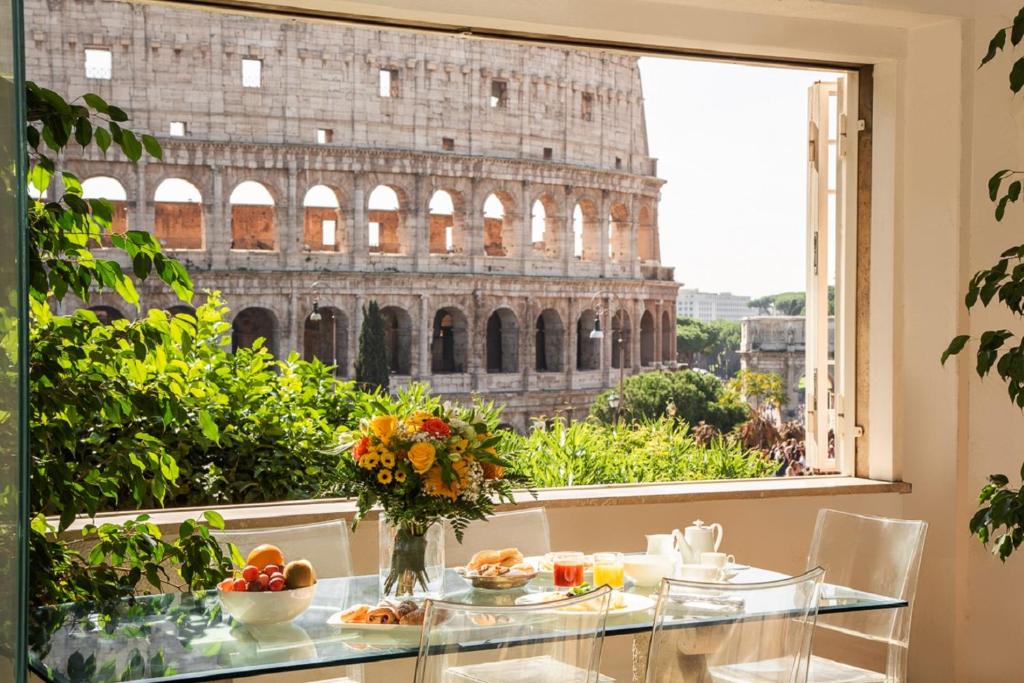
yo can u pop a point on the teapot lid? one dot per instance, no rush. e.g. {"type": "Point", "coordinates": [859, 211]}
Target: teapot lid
{"type": "Point", "coordinates": [699, 523]}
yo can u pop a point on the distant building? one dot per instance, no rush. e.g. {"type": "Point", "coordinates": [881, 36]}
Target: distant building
{"type": "Point", "coordinates": [708, 306]}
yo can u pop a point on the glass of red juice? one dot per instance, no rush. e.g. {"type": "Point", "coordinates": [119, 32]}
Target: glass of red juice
{"type": "Point", "coordinates": [567, 569]}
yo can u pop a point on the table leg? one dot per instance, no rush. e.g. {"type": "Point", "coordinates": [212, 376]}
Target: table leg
{"type": "Point", "coordinates": [688, 647]}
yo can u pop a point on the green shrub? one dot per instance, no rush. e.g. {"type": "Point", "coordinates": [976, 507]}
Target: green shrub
{"type": "Point", "coordinates": [696, 396]}
{"type": "Point", "coordinates": [591, 452]}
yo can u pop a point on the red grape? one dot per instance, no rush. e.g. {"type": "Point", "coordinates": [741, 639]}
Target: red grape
{"type": "Point", "coordinates": [254, 587]}
{"type": "Point", "coordinates": [271, 569]}
{"type": "Point", "coordinates": [250, 572]}
{"type": "Point", "coordinates": [277, 583]}
{"type": "Point", "coordinates": [239, 585]}
{"type": "Point", "coordinates": [264, 581]}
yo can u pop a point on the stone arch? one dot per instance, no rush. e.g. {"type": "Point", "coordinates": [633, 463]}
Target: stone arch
{"type": "Point", "coordinates": [668, 336]}
{"type": "Point", "coordinates": [618, 232]}
{"type": "Point", "coordinates": [549, 341]}
{"type": "Point", "coordinates": [647, 235]}
{"type": "Point", "coordinates": [502, 341]}
{"type": "Point", "coordinates": [107, 314]}
{"type": "Point", "coordinates": [499, 226]}
{"type": "Point", "coordinates": [386, 220]}
{"type": "Point", "coordinates": [588, 351]}
{"type": "Point", "coordinates": [254, 323]}
{"type": "Point", "coordinates": [323, 220]}
{"type": "Point", "coordinates": [253, 217]}
{"type": "Point", "coordinates": [647, 339]}
{"type": "Point", "coordinates": [327, 339]}
{"type": "Point", "coordinates": [449, 341]}
{"type": "Point", "coordinates": [447, 222]}
{"type": "Point", "coordinates": [181, 309]}
{"type": "Point", "coordinates": [622, 332]}
{"type": "Point", "coordinates": [398, 334]}
{"type": "Point", "coordinates": [111, 189]}
{"type": "Point", "coordinates": [586, 230]}
{"type": "Point", "coordinates": [178, 214]}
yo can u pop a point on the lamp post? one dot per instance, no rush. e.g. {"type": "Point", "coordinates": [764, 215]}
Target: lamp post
{"type": "Point", "coordinates": [316, 317]}
{"type": "Point", "coordinates": [615, 400]}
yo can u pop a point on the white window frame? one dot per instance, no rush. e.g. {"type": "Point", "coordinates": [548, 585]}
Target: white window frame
{"type": "Point", "coordinates": [820, 415]}
{"type": "Point", "coordinates": [102, 71]}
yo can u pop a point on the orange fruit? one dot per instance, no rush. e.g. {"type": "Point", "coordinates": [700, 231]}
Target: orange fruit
{"type": "Point", "coordinates": [265, 554]}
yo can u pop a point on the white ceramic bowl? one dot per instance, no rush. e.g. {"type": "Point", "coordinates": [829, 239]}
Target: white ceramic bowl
{"type": "Point", "coordinates": [267, 607]}
{"type": "Point", "coordinates": [647, 570]}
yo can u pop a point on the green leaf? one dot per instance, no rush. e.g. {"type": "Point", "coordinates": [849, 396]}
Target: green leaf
{"type": "Point", "coordinates": [999, 479]}
{"type": "Point", "coordinates": [117, 114]}
{"type": "Point", "coordinates": [209, 427]}
{"type": "Point", "coordinates": [1017, 75]}
{"type": "Point", "coordinates": [96, 102]}
{"type": "Point", "coordinates": [152, 146]}
{"type": "Point", "coordinates": [955, 347]}
{"type": "Point", "coordinates": [214, 519]}
{"type": "Point", "coordinates": [1001, 207]}
{"type": "Point", "coordinates": [83, 132]}
{"type": "Point", "coordinates": [103, 139]}
{"type": "Point", "coordinates": [130, 145]}
{"type": "Point", "coordinates": [994, 182]}
{"type": "Point", "coordinates": [1017, 29]}
{"type": "Point", "coordinates": [997, 43]}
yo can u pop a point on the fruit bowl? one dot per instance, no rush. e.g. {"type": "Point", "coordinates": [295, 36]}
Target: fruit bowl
{"type": "Point", "coordinates": [266, 607]}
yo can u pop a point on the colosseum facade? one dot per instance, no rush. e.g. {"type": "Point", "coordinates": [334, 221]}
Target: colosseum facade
{"type": "Point", "coordinates": [494, 198]}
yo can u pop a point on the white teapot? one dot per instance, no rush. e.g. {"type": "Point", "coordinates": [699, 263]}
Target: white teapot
{"type": "Point", "coordinates": [698, 538]}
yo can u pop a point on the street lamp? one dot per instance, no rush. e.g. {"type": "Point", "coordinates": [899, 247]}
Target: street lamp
{"type": "Point", "coordinates": [597, 333]}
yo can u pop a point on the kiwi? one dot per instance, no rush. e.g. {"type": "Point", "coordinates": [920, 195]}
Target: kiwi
{"type": "Point", "coordinates": [299, 574]}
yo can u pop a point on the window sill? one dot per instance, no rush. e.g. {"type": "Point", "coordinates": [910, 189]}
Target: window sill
{"type": "Point", "coordinates": [307, 511]}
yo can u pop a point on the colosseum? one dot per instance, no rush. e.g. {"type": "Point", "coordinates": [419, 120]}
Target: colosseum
{"type": "Point", "coordinates": [496, 199]}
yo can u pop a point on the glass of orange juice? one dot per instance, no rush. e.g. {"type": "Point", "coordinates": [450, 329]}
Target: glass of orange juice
{"type": "Point", "coordinates": [608, 570]}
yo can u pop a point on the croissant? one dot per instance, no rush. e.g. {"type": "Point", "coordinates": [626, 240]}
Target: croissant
{"type": "Point", "coordinates": [405, 608]}
{"type": "Point", "coordinates": [382, 615]}
{"type": "Point", "coordinates": [413, 618]}
{"type": "Point", "coordinates": [510, 557]}
{"type": "Point", "coordinates": [356, 614]}
{"type": "Point", "coordinates": [483, 557]}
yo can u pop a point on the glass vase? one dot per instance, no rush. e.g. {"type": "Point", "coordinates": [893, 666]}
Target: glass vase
{"type": "Point", "coordinates": [411, 559]}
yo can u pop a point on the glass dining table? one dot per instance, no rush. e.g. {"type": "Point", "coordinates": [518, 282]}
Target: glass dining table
{"type": "Point", "coordinates": [187, 637]}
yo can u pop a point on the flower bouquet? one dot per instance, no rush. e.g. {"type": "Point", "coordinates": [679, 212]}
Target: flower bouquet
{"type": "Point", "coordinates": [424, 463]}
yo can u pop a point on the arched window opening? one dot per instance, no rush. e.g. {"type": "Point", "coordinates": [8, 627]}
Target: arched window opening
{"type": "Point", "coordinates": [178, 214]}
{"type": "Point", "coordinates": [538, 225]}
{"type": "Point", "coordinates": [448, 342]}
{"type": "Point", "coordinates": [323, 224]}
{"type": "Point", "coordinates": [668, 336]}
{"type": "Point", "coordinates": [385, 221]}
{"type": "Point", "coordinates": [502, 341]}
{"type": "Point", "coordinates": [253, 217]}
{"type": "Point", "coordinates": [499, 237]}
{"type": "Point", "coordinates": [586, 231]}
{"type": "Point", "coordinates": [618, 233]}
{"type": "Point", "coordinates": [446, 229]}
{"type": "Point", "coordinates": [107, 314]}
{"type": "Point", "coordinates": [182, 310]}
{"type": "Point", "coordinates": [647, 339]}
{"type": "Point", "coordinates": [111, 189]}
{"type": "Point", "coordinates": [588, 351]}
{"type": "Point", "coordinates": [621, 340]}
{"type": "Point", "coordinates": [549, 341]}
{"type": "Point", "coordinates": [398, 337]}
{"type": "Point", "coordinates": [326, 339]}
{"type": "Point", "coordinates": [647, 235]}
{"type": "Point", "coordinates": [252, 324]}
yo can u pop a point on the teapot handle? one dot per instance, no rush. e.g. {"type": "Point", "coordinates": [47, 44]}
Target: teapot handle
{"type": "Point", "coordinates": [718, 535]}
{"type": "Point", "coordinates": [678, 541]}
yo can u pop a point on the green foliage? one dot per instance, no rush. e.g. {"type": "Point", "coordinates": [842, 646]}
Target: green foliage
{"type": "Point", "coordinates": [1000, 519]}
{"type": "Point", "coordinates": [757, 388]}
{"type": "Point", "coordinates": [591, 452]}
{"type": "Point", "coordinates": [789, 303]}
{"type": "Point", "coordinates": [690, 396]}
{"type": "Point", "coordinates": [62, 230]}
{"type": "Point", "coordinates": [372, 368]}
{"type": "Point", "coordinates": [712, 346]}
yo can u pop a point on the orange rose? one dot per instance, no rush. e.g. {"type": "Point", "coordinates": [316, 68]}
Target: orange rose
{"type": "Point", "coordinates": [492, 470]}
{"type": "Point", "coordinates": [434, 482]}
{"type": "Point", "coordinates": [422, 456]}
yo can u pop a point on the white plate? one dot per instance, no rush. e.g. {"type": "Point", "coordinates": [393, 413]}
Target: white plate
{"type": "Point", "coordinates": [392, 629]}
{"type": "Point", "coordinates": [733, 567]}
{"type": "Point", "coordinates": [634, 602]}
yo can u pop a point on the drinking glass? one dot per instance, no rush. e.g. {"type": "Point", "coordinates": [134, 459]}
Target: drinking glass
{"type": "Point", "coordinates": [609, 570]}
{"type": "Point", "coordinates": [567, 569]}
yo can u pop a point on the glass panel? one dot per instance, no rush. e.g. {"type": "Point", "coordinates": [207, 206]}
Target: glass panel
{"type": "Point", "coordinates": [13, 479]}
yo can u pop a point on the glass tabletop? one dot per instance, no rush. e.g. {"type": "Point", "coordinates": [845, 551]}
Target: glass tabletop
{"type": "Point", "coordinates": [187, 637]}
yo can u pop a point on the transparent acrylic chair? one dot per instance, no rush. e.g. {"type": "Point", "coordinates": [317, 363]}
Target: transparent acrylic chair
{"type": "Point", "coordinates": [554, 642]}
{"type": "Point", "coordinates": [752, 633]}
{"type": "Point", "coordinates": [326, 546]}
{"type": "Point", "coordinates": [878, 555]}
{"type": "Point", "coordinates": [524, 529]}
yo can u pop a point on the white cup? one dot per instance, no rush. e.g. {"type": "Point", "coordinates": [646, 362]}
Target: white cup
{"type": "Point", "coordinates": [719, 560]}
{"type": "Point", "coordinates": [699, 572]}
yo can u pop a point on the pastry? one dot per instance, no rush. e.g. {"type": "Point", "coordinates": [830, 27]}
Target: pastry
{"type": "Point", "coordinates": [405, 608]}
{"type": "Point", "coordinates": [510, 557]}
{"type": "Point", "coordinates": [356, 614]}
{"type": "Point", "coordinates": [413, 618]}
{"type": "Point", "coordinates": [493, 570]}
{"type": "Point", "coordinates": [382, 615]}
{"type": "Point", "coordinates": [483, 557]}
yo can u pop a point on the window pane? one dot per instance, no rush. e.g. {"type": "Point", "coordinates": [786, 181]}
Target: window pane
{"type": "Point", "coordinates": [252, 73]}
{"type": "Point", "coordinates": [374, 236]}
{"type": "Point", "coordinates": [98, 63]}
{"type": "Point", "coordinates": [177, 128]}
{"type": "Point", "coordinates": [327, 229]}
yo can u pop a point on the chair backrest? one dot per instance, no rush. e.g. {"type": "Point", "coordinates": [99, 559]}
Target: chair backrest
{"type": "Point", "coordinates": [553, 642]}
{"type": "Point", "coordinates": [878, 555]}
{"type": "Point", "coordinates": [524, 529]}
{"type": "Point", "coordinates": [746, 631]}
{"type": "Point", "coordinates": [324, 544]}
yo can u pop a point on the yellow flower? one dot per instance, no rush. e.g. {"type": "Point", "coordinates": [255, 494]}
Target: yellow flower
{"type": "Point", "coordinates": [387, 459]}
{"type": "Point", "coordinates": [460, 446]}
{"type": "Point", "coordinates": [435, 486]}
{"type": "Point", "coordinates": [384, 476]}
{"type": "Point", "coordinates": [422, 456]}
{"type": "Point", "coordinates": [369, 461]}
{"type": "Point", "coordinates": [418, 418]}
{"type": "Point", "coordinates": [399, 476]}
{"type": "Point", "coordinates": [384, 426]}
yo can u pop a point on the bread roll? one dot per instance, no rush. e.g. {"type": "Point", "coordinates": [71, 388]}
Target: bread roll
{"type": "Point", "coordinates": [382, 615]}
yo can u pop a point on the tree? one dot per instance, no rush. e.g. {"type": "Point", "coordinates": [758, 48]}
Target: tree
{"type": "Point", "coordinates": [372, 368]}
{"type": "Point", "coordinates": [711, 346]}
{"type": "Point", "coordinates": [789, 303]}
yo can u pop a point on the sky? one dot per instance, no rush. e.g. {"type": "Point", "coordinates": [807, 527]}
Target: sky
{"type": "Point", "coordinates": [731, 142]}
